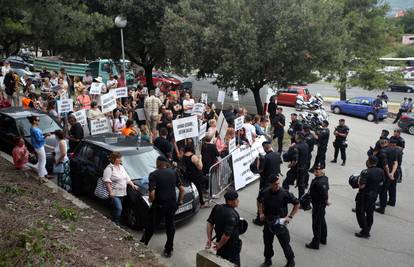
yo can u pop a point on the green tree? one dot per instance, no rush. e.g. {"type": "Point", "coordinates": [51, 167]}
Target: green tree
{"type": "Point", "coordinates": [407, 21]}
{"type": "Point", "coordinates": [252, 43]}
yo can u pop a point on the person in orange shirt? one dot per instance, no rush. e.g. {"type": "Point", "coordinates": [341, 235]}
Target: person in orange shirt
{"type": "Point", "coordinates": [27, 101]}
{"type": "Point", "coordinates": [129, 129]}
{"type": "Point", "coordinates": [84, 100]}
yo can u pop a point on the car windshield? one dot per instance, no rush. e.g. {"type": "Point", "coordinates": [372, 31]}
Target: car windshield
{"type": "Point", "coordinates": [46, 124]}
{"type": "Point", "coordinates": [140, 165]}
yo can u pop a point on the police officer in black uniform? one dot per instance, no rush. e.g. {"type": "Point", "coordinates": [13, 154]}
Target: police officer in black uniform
{"type": "Point", "coordinates": [294, 127]}
{"type": "Point", "coordinates": [392, 189]}
{"type": "Point", "coordinates": [319, 196]}
{"type": "Point", "coordinates": [301, 163]}
{"type": "Point", "coordinates": [162, 184]}
{"type": "Point", "coordinates": [224, 219]}
{"type": "Point", "coordinates": [322, 136]}
{"type": "Point", "coordinates": [370, 181]}
{"type": "Point", "coordinates": [278, 122]}
{"type": "Point", "coordinates": [340, 144]}
{"type": "Point", "coordinates": [387, 160]}
{"type": "Point", "coordinates": [384, 135]}
{"type": "Point", "coordinates": [400, 144]}
{"type": "Point", "coordinates": [274, 202]}
{"type": "Point", "coordinates": [310, 139]}
{"type": "Point", "coordinates": [398, 138]}
{"type": "Point", "coordinates": [268, 166]}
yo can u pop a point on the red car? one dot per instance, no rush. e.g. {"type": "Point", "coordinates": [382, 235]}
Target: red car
{"type": "Point", "coordinates": [288, 96]}
{"type": "Point", "coordinates": [167, 81]}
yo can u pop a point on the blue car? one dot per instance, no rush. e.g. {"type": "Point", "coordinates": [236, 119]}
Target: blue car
{"type": "Point", "coordinates": [360, 106]}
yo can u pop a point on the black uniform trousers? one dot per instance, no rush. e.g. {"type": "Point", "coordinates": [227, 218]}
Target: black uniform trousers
{"type": "Point", "coordinates": [319, 228]}
{"type": "Point", "coordinates": [284, 240]}
{"type": "Point", "coordinates": [301, 175]}
{"type": "Point", "coordinates": [279, 135]}
{"type": "Point", "coordinates": [388, 189]}
{"type": "Point", "coordinates": [364, 209]}
{"type": "Point", "coordinates": [232, 254]}
{"type": "Point", "coordinates": [155, 217]}
{"type": "Point", "coordinates": [320, 157]}
{"type": "Point", "coordinates": [339, 147]}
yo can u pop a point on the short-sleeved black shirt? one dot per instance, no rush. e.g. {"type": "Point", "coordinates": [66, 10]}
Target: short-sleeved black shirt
{"type": "Point", "coordinates": [271, 167]}
{"type": "Point", "coordinates": [372, 179]}
{"type": "Point", "coordinates": [341, 129]}
{"type": "Point", "coordinates": [319, 189]}
{"type": "Point", "coordinates": [226, 221]}
{"type": "Point", "coordinates": [275, 204]}
{"type": "Point", "coordinates": [400, 141]}
{"type": "Point", "coordinates": [323, 137]}
{"type": "Point", "coordinates": [76, 131]}
{"type": "Point", "coordinates": [163, 145]}
{"type": "Point", "coordinates": [303, 154]}
{"type": "Point", "coordinates": [164, 182]}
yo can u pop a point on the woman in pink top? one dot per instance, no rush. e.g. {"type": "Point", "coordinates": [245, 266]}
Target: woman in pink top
{"type": "Point", "coordinates": [20, 154]}
{"type": "Point", "coordinates": [84, 100]}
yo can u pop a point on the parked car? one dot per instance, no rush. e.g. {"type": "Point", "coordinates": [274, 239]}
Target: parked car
{"type": "Point", "coordinates": [14, 123]}
{"type": "Point", "coordinates": [288, 96]}
{"type": "Point", "coordinates": [406, 123]}
{"type": "Point", "coordinates": [158, 76]}
{"type": "Point", "coordinates": [360, 107]}
{"type": "Point", "coordinates": [91, 158]}
{"type": "Point", "coordinates": [37, 81]}
{"type": "Point", "coordinates": [408, 88]}
{"type": "Point", "coordinates": [19, 63]}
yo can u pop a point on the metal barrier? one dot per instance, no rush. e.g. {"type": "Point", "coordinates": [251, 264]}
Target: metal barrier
{"type": "Point", "coordinates": [220, 176]}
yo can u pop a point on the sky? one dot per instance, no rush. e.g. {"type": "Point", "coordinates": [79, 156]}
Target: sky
{"type": "Point", "coordinates": [397, 5]}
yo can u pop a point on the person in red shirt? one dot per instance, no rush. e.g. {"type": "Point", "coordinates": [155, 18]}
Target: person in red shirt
{"type": "Point", "coordinates": [20, 154]}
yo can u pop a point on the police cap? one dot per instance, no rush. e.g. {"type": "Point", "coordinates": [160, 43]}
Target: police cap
{"type": "Point", "coordinates": [231, 195]}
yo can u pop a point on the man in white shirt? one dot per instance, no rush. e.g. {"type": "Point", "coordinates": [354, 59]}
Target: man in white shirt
{"type": "Point", "coordinates": [188, 104]}
{"type": "Point", "coordinates": [249, 128]}
{"type": "Point", "coordinates": [112, 83]}
{"type": "Point", "coordinates": [152, 105]}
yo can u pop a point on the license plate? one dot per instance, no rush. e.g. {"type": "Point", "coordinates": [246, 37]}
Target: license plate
{"type": "Point", "coordinates": [184, 208]}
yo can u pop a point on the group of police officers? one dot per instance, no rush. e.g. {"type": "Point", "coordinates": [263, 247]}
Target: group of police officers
{"type": "Point", "coordinates": [379, 179]}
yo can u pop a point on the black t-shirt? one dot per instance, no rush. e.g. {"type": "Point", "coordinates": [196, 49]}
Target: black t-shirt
{"type": "Point", "coordinates": [303, 154]}
{"type": "Point", "coordinates": [343, 130]}
{"type": "Point", "coordinates": [372, 178]}
{"type": "Point", "coordinates": [296, 126]}
{"type": "Point", "coordinates": [400, 141]}
{"type": "Point", "coordinates": [164, 146]}
{"type": "Point", "coordinates": [76, 131]}
{"type": "Point", "coordinates": [377, 144]}
{"type": "Point", "coordinates": [164, 182]}
{"type": "Point", "coordinates": [319, 190]}
{"type": "Point", "coordinates": [271, 167]}
{"type": "Point", "coordinates": [310, 140]}
{"type": "Point", "coordinates": [209, 156]}
{"type": "Point", "coordinates": [275, 204]}
{"type": "Point", "coordinates": [226, 221]}
{"type": "Point", "coordinates": [323, 137]}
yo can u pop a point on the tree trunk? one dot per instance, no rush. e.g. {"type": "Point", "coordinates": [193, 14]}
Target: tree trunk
{"type": "Point", "coordinates": [148, 77]}
{"type": "Point", "coordinates": [258, 101]}
{"type": "Point", "coordinates": [342, 86]}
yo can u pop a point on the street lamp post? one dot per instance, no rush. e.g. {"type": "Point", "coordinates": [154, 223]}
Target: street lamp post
{"type": "Point", "coordinates": [121, 22]}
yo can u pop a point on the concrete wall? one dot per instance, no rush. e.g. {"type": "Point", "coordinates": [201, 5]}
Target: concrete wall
{"type": "Point", "coordinates": [205, 258]}
{"type": "Point", "coordinates": [408, 39]}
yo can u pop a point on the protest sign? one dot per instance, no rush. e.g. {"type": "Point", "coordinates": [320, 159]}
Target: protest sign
{"type": "Point", "coordinates": [204, 98]}
{"type": "Point", "coordinates": [99, 126]}
{"type": "Point", "coordinates": [202, 131]}
{"type": "Point", "coordinates": [232, 145]}
{"type": "Point", "coordinates": [235, 96]}
{"type": "Point", "coordinates": [222, 126]}
{"type": "Point", "coordinates": [1, 81]}
{"type": "Point", "coordinates": [81, 117]}
{"type": "Point", "coordinates": [108, 102]}
{"type": "Point", "coordinates": [96, 88]}
{"type": "Point", "coordinates": [185, 128]}
{"type": "Point", "coordinates": [238, 123]}
{"type": "Point", "coordinates": [221, 96]}
{"type": "Point", "coordinates": [121, 92]}
{"type": "Point", "coordinates": [198, 109]}
{"type": "Point", "coordinates": [141, 114]}
{"type": "Point", "coordinates": [65, 105]}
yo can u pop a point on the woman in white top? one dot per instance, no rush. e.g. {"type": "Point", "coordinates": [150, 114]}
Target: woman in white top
{"type": "Point", "coordinates": [61, 164]}
{"type": "Point", "coordinates": [118, 123]}
{"type": "Point", "coordinates": [188, 104]}
{"type": "Point", "coordinates": [53, 79]}
{"type": "Point", "coordinates": [116, 180]}
{"type": "Point", "coordinates": [63, 89]}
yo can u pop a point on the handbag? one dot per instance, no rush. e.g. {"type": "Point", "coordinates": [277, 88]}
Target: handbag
{"type": "Point", "coordinates": [100, 190]}
{"type": "Point", "coordinates": [58, 168]}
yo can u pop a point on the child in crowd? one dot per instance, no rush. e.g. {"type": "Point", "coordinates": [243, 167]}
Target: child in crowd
{"type": "Point", "coordinates": [20, 154]}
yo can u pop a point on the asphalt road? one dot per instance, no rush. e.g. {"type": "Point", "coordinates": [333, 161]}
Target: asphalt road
{"type": "Point", "coordinates": [392, 236]}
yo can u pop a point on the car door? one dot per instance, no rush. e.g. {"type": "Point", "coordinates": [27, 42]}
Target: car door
{"type": "Point", "coordinates": [291, 96]}
{"type": "Point", "coordinates": [281, 96]}
{"type": "Point", "coordinates": [83, 170]}
{"type": "Point", "coordinates": [365, 108]}
{"type": "Point", "coordinates": [8, 133]}
{"type": "Point", "coordinates": [352, 106]}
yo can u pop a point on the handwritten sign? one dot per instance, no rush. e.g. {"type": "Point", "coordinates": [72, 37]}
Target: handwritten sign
{"type": "Point", "coordinates": [108, 102]}
{"type": "Point", "coordinates": [221, 96]}
{"type": "Point", "coordinates": [81, 117]}
{"type": "Point", "coordinates": [202, 131]}
{"type": "Point", "coordinates": [204, 98]}
{"type": "Point", "coordinates": [198, 109]}
{"type": "Point", "coordinates": [65, 105]}
{"type": "Point", "coordinates": [121, 92]}
{"type": "Point", "coordinates": [99, 126]}
{"type": "Point", "coordinates": [235, 96]}
{"type": "Point", "coordinates": [185, 128]}
{"type": "Point", "coordinates": [238, 123]}
{"type": "Point", "coordinates": [141, 114]}
{"type": "Point", "coordinates": [96, 88]}
{"type": "Point", "coordinates": [232, 145]}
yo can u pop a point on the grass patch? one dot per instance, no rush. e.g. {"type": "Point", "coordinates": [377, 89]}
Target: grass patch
{"type": "Point", "coordinates": [66, 213]}
{"type": "Point", "coordinates": [13, 190]}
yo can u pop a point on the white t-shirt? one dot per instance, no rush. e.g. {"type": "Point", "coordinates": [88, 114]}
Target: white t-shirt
{"type": "Point", "coordinates": [118, 125]}
{"type": "Point", "coordinates": [5, 70]}
{"type": "Point", "coordinates": [188, 104]}
{"type": "Point", "coordinates": [250, 131]}
{"type": "Point", "coordinates": [118, 177]}
{"type": "Point", "coordinates": [112, 84]}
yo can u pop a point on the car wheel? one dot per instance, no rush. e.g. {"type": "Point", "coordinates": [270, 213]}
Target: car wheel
{"type": "Point", "coordinates": [337, 110]}
{"type": "Point", "coordinates": [370, 117]}
{"type": "Point", "coordinates": [409, 90]}
{"type": "Point", "coordinates": [132, 218]}
{"type": "Point", "coordinates": [411, 130]}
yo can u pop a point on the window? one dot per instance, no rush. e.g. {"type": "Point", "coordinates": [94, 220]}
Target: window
{"type": "Point", "coordinates": [355, 101]}
{"type": "Point", "coordinates": [46, 124]}
{"type": "Point", "coordinates": [365, 102]}
{"type": "Point", "coordinates": [102, 158]}
{"type": "Point", "coordinates": [87, 153]}
{"type": "Point", "coordinates": [293, 91]}
{"type": "Point", "coordinates": [306, 91]}
{"type": "Point", "coordinates": [8, 125]}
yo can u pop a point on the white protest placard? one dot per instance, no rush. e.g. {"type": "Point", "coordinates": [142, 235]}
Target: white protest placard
{"type": "Point", "coordinates": [108, 102]}
{"type": "Point", "coordinates": [96, 88]}
{"type": "Point", "coordinates": [81, 117]}
{"type": "Point", "coordinates": [121, 92]}
{"type": "Point", "coordinates": [99, 126]}
{"type": "Point", "coordinates": [235, 96]}
{"type": "Point", "coordinates": [221, 96]}
{"type": "Point", "coordinates": [241, 166]}
{"type": "Point", "coordinates": [222, 126]}
{"type": "Point", "coordinates": [185, 128]}
{"type": "Point", "coordinates": [65, 105]}
{"type": "Point", "coordinates": [204, 98]}
{"type": "Point", "coordinates": [202, 131]}
{"type": "Point", "coordinates": [232, 145]}
{"type": "Point", "coordinates": [198, 109]}
{"type": "Point", "coordinates": [141, 114]}
{"type": "Point", "coordinates": [249, 137]}
{"type": "Point", "coordinates": [1, 81]}
{"type": "Point", "coordinates": [238, 123]}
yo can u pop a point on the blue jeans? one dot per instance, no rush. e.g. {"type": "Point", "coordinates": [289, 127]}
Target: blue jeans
{"type": "Point", "coordinates": [116, 212]}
